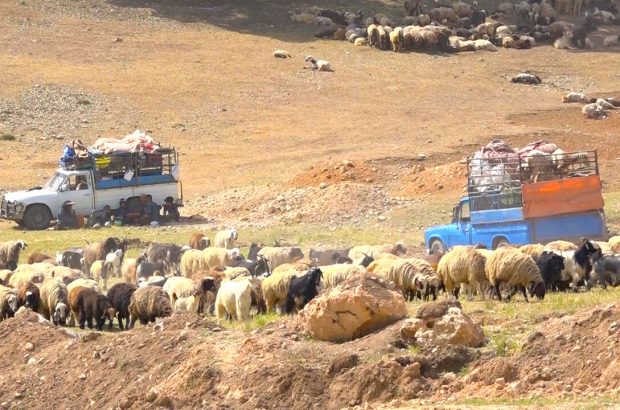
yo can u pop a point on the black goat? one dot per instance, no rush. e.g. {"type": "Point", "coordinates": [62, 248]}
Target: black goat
{"type": "Point", "coordinates": [72, 258]}
{"type": "Point", "coordinates": [303, 289]}
{"type": "Point", "coordinates": [119, 297]}
{"type": "Point", "coordinates": [551, 266]}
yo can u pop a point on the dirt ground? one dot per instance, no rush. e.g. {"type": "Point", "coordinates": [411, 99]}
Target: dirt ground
{"type": "Point", "coordinates": [379, 142]}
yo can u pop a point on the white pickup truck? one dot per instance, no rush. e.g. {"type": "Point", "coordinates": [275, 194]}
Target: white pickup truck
{"type": "Point", "coordinates": [93, 188]}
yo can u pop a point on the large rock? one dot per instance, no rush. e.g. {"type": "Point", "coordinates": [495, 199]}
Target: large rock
{"type": "Point", "coordinates": [355, 308]}
{"type": "Point", "coordinates": [446, 325]}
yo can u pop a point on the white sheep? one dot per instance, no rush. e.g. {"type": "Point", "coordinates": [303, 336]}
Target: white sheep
{"type": "Point", "coordinates": [226, 238]}
{"type": "Point", "coordinates": [85, 283]}
{"type": "Point", "coordinates": [18, 279]}
{"type": "Point", "coordinates": [9, 253]}
{"type": "Point", "coordinates": [574, 97]}
{"type": "Point", "coordinates": [338, 273]}
{"type": "Point", "coordinates": [101, 271]}
{"type": "Point", "coordinates": [187, 304]}
{"type": "Point", "coordinates": [8, 302]}
{"type": "Point", "coordinates": [275, 289]}
{"type": "Point", "coordinates": [512, 268]}
{"type": "Point", "coordinates": [54, 301]}
{"type": "Point", "coordinates": [305, 18]}
{"type": "Point", "coordinates": [604, 104]}
{"type": "Point", "coordinates": [279, 255]}
{"type": "Point", "coordinates": [319, 65]}
{"type": "Point", "coordinates": [485, 45]}
{"type": "Point", "coordinates": [594, 111]}
{"type": "Point", "coordinates": [463, 265]}
{"type": "Point", "coordinates": [281, 54]}
{"type": "Point", "coordinates": [194, 262]}
{"type": "Point", "coordinates": [115, 259]}
{"type": "Point", "coordinates": [234, 298]}
{"type": "Point", "coordinates": [401, 272]}
{"type": "Point", "coordinates": [180, 287]}
{"type": "Point", "coordinates": [360, 42]}
{"type": "Point", "coordinates": [611, 41]}
{"type": "Point", "coordinates": [361, 251]}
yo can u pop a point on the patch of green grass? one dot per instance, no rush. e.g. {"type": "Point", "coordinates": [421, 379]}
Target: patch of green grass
{"type": "Point", "coordinates": [414, 349]}
{"type": "Point", "coordinates": [463, 371]}
{"type": "Point", "coordinates": [256, 322]}
{"type": "Point", "coordinates": [538, 402]}
{"type": "Point", "coordinates": [7, 137]}
{"type": "Point", "coordinates": [504, 343]}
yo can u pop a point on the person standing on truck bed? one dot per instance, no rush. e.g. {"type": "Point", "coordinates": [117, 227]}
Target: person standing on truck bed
{"type": "Point", "coordinates": [67, 219]}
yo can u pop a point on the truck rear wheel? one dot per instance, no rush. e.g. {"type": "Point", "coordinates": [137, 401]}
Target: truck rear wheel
{"type": "Point", "coordinates": [437, 246]}
{"type": "Point", "coordinates": [37, 217]}
{"type": "Point", "coordinates": [499, 242]}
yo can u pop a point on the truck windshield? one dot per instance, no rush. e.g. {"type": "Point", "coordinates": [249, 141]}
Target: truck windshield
{"type": "Point", "coordinates": [55, 182]}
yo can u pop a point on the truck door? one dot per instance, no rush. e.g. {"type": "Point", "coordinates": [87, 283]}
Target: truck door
{"type": "Point", "coordinates": [463, 224]}
{"type": "Point", "coordinates": [78, 188]}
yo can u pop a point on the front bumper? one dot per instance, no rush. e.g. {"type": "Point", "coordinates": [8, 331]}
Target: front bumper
{"type": "Point", "coordinates": [8, 211]}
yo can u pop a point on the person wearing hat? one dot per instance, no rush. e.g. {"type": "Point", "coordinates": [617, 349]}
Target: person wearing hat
{"type": "Point", "coordinates": [67, 219]}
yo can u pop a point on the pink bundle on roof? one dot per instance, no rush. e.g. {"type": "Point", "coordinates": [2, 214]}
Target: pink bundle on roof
{"type": "Point", "coordinates": [542, 145]}
{"type": "Point", "coordinates": [134, 142]}
{"type": "Point", "coordinates": [498, 151]}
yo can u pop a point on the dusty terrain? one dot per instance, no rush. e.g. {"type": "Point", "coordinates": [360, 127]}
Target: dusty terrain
{"type": "Point", "coordinates": [371, 152]}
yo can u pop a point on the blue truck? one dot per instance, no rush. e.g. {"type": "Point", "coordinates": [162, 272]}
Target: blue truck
{"type": "Point", "coordinates": [508, 205]}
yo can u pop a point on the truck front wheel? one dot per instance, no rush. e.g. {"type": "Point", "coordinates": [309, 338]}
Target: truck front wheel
{"type": "Point", "coordinates": [37, 217]}
{"type": "Point", "coordinates": [437, 247]}
{"type": "Point", "coordinates": [499, 242]}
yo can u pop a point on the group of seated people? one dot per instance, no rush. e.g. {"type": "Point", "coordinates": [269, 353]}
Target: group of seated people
{"type": "Point", "coordinates": [141, 213]}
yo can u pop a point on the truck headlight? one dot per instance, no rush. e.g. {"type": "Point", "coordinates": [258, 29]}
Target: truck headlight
{"type": "Point", "coordinates": [19, 208]}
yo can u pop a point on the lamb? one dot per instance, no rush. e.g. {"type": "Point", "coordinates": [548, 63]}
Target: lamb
{"type": "Point", "coordinates": [9, 251]}
{"type": "Point", "coordinates": [329, 256]}
{"type": "Point", "coordinates": [396, 38]}
{"type": "Point", "coordinates": [401, 272]}
{"type": "Point", "coordinates": [29, 296]}
{"type": "Point", "coordinates": [129, 268]}
{"type": "Point", "coordinates": [180, 287]}
{"type": "Point", "coordinates": [535, 250]}
{"type": "Point", "coordinates": [359, 252]}
{"type": "Point", "coordinates": [199, 241]}
{"type": "Point", "coordinates": [524, 78]}
{"type": "Point", "coordinates": [319, 65]}
{"type": "Point", "coordinates": [37, 257]}
{"type": "Point", "coordinates": [18, 279]}
{"type": "Point", "coordinates": [147, 304]}
{"type": "Point", "coordinates": [561, 246]}
{"type": "Point", "coordinates": [551, 266]}
{"type": "Point", "coordinates": [462, 265]}
{"type": "Point", "coordinates": [510, 267]}
{"type": "Point", "coordinates": [8, 302]}
{"type": "Point", "coordinates": [574, 97]}
{"type": "Point", "coordinates": [614, 244]}
{"type": "Point", "coordinates": [119, 297]}
{"type": "Point", "coordinates": [277, 256]}
{"type": "Point", "coordinates": [101, 271]}
{"type": "Point", "coordinates": [280, 54]}
{"type": "Point", "coordinates": [83, 283]}
{"type": "Point", "coordinates": [226, 238]}
{"type": "Point", "coordinates": [303, 289]}
{"type": "Point", "coordinates": [71, 258]}
{"type": "Point", "coordinates": [305, 18]}
{"type": "Point", "coordinates": [275, 289]}
{"type": "Point", "coordinates": [338, 273]}
{"type": "Point", "coordinates": [234, 298]}
{"type": "Point", "coordinates": [91, 305]}
{"type": "Point", "coordinates": [98, 251]}
{"type": "Point", "coordinates": [611, 41]}
{"type": "Point", "coordinates": [54, 297]}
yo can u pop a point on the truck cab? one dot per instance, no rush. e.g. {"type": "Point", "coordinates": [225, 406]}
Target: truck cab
{"type": "Point", "coordinates": [92, 188]}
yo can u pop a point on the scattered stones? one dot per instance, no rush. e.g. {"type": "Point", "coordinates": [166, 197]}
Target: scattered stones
{"type": "Point", "coordinates": [82, 376]}
{"type": "Point", "coordinates": [90, 336]}
{"type": "Point", "coordinates": [28, 347]}
{"type": "Point", "coordinates": [322, 185]}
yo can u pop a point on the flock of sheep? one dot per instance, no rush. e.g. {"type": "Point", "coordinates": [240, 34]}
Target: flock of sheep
{"type": "Point", "coordinates": [595, 108]}
{"type": "Point", "coordinates": [170, 278]}
{"type": "Point", "coordinates": [452, 27]}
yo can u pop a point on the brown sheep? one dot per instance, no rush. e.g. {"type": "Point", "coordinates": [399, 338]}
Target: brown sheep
{"type": "Point", "coordinates": [199, 241]}
{"type": "Point", "coordinates": [147, 304]}
{"type": "Point", "coordinates": [92, 305]}
{"type": "Point", "coordinates": [37, 257]}
{"type": "Point", "coordinates": [29, 296]}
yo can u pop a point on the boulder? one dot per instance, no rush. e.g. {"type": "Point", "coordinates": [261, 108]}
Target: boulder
{"type": "Point", "coordinates": [355, 308]}
{"type": "Point", "coordinates": [442, 323]}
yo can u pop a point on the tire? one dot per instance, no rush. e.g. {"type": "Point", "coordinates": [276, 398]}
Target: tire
{"type": "Point", "coordinates": [37, 217]}
{"type": "Point", "coordinates": [499, 242]}
{"type": "Point", "coordinates": [437, 247]}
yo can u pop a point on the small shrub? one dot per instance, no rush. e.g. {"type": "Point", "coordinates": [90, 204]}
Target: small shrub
{"type": "Point", "coordinates": [7, 137]}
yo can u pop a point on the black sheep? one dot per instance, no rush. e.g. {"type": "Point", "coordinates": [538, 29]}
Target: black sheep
{"type": "Point", "coordinates": [330, 256]}
{"type": "Point", "coordinates": [147, 269]}
{"type": "Point", "coordinates": [303, 289]}
{"type": "Point", "coordinates": [551, 266]}
{"type": "Point", "coordinates": [478, 17]}
{"type": "Point", "coordinates": [335, 16]}
{"type": "Point", "coordinates": [165, 252]}
{"type": "Point", "coordinates": [72, 259]}
{"type": "Point", "coordinates": [92, 305]}
{"type": "Point", "coordinates": [119, 297]}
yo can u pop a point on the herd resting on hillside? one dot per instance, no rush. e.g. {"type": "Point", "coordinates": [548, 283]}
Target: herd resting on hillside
{"type": "Point", "coordinates": [70, 289]}
{"type": "Point", "coordinates": [454, 27]}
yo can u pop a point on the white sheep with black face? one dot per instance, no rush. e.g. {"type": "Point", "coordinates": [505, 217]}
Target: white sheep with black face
{"type": "Point", "coordinates": [319, 65]}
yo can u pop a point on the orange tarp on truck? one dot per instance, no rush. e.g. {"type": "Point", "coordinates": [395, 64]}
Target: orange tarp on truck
{"type": "Point", "coordinates": [562, 196]}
